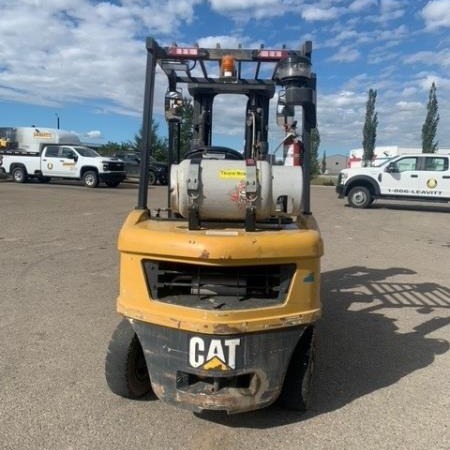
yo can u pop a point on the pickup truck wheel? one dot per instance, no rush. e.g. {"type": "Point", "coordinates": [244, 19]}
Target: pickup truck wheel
{"type": "Point", "coordinates": [296, 392]}
{"type": "Point", "coordinates": [359, 197]}
{"type": "Point", "coordinates": [151, 178]}
{"type": "Point", "coordinates": [19, 175]}
{"type": "Point", "coordinates": [125, 367]}
{"type": "Point", "coordinates": [90, 179]}
{"type": "Point", "coordinates": [163, 180]}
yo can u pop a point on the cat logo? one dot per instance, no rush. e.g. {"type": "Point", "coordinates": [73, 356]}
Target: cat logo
{"type": "Point", "coordinates": [217, 355]}
{"type": "Point", "coordinates": [432, 183]}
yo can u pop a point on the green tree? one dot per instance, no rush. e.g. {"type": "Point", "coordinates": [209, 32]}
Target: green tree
{"type": "Point", "coordinates": [159, 145]}
{"type": "Point", "coordinates": [324, 162]}
{"type": "Point", "coordinates": [314, 159]}
{"type": "Point", "coordinates": [429, 128]}
{"type": "Point", "coordinates": [186, 127]}
{"type": "Point", "coordinates": [370, 128]}
{"type": "Point", "coordinates": [112, 148]}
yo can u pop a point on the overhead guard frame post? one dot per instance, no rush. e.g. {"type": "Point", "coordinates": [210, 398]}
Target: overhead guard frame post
{"type": "Point", "coordinates": [309, 117]}
{"type": "Point", "coordinates": [153, 51]}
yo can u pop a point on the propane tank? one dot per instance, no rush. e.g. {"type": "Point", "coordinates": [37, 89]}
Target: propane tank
{"type": "Point", "coordinates": [218, 189]}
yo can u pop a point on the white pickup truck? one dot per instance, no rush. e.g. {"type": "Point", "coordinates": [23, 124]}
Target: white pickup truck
{"type": "Point", "coordinates": [63, 161]}
{"type": "Point", "coordinates": [420, 177]}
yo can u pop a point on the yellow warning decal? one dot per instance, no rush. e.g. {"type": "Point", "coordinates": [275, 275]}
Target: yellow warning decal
{"type": "Point", "coordinates": [215, 364]}
{"type": "Point", "coordinates": [227, 174]}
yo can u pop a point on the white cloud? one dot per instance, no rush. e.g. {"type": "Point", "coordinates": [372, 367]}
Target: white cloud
{"type": "Point", "coordinates": [243, 11]}
{"type": "Point", "coordinates": [224, 41]}
{"type": "Point", "coordinates": [437, 14]}
{"type": "Point", "coordinates": [87, 52]}
{"type": "Point", "coordinates": [93, 134]}
{"type": "Point", "coordinates": [409, 106]}
{"type": "Point", "coordinates": [315, 13]}
{"type": "Point", "coordinates": [233, 5]}
{"type": "Point", "coordinates": [361, 5]}
{"type": "Point", "coordinates": [428, 58]}
{"type": "Point", "coordinates": [346, 54]}
{"type": "Point", "coordinates": [440, 82]}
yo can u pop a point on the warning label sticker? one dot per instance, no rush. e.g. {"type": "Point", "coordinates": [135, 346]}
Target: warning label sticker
{"type": "Point", "coordinates": [232, 174]}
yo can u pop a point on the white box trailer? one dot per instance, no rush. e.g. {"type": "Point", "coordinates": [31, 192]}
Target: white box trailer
{"type": "Point", "coordinates": [34, 139]}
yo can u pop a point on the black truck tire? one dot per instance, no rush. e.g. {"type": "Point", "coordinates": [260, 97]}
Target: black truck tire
{"type": "Point", "coordinates": [296, 392]}
{"type": "Point", "coordinates": [112, 183]}
{"type": "Point", "coordinates": [359, 197]}
{"type": "Point", "coordinates": [90, 178]}
{"type": "Point", "coordinates": [19, 174]}
{"type": "Point", "coordinates": [125, 367]}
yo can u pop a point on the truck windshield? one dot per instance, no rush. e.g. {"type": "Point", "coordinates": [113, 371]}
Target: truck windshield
{"type": "Point", "coordinates": [87, 152]}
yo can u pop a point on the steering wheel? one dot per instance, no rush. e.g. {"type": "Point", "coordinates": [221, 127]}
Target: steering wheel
{"type": "Point", "coordinates": [213, 152]}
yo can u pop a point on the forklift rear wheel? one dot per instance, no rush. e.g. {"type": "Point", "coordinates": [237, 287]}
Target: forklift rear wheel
{"type": "Point", "coordinates": [296, 392]}
{"type": "Point", "coordinates": [125, 368]}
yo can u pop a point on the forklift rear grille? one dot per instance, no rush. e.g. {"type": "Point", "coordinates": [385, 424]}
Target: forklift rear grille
{"type": "Point", "coordinates": [224, 288]}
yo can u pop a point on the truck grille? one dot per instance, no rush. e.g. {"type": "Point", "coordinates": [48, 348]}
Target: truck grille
{"type": "Point", "coordinates": [212, 287]}
{"type": "Point", "coordinates": [115, 166]}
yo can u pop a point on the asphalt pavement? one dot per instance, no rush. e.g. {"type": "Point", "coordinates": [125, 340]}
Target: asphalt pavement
{"type": "Point", "coordinates": [382, 373]}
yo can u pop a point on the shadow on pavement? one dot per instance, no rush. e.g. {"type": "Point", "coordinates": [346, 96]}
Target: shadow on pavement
{"type": "Point", "coordinates": [360, 350]}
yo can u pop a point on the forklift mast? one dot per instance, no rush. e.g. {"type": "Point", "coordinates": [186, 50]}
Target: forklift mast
{"type": "Point", "coordinates": [190, 65]}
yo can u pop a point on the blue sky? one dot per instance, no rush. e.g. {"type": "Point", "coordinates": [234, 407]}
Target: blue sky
{"type": "Point", "coordinates": [83, 61]}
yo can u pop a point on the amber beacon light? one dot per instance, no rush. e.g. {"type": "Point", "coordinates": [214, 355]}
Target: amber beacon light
{"type": "Point", "coordinates": [227, 67]}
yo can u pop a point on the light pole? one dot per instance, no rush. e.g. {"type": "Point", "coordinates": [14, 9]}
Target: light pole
{"type": "Point", "coordinates": [57, 121]}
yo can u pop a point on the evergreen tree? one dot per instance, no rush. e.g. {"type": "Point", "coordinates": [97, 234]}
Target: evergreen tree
{"type": "Point", "coordinates": [111, 148]}
{"type": "Point", "coordinates": [370, 128]}
{"type": "Point", "coordinates": [324, 162]}
{"type": "Point", "coordinates": [159, 145]}
{"type": "Point", "coordinates": [186, 126]}
{"type": "Point", "coordinates": [429, 128]}
{"type": "Point", "coordinates": [314, 157]}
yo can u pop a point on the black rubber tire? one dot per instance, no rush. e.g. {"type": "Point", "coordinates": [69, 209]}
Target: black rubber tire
{"type": "Point", "coordinates": [359, 197]}
{"type": "Point", "coordinates": [151, 178]}
{"type": "Point", "coordinates": [125, 367]}
{"type": "Point", "coordinates": [296, 392]}
{"type": "Point", "coordinates": [90, 179]}
{"type": "Point", "coordinates": [19, 174]}
{"type": "Point", "coordinates": [112, 183]}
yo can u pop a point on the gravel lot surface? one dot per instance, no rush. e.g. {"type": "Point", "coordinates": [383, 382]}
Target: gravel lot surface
{"type": "Point", "coordinates": [383, 371]}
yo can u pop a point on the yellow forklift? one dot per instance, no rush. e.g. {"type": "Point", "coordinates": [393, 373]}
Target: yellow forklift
{"type": "Point", "coordinates": [219, 292]}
